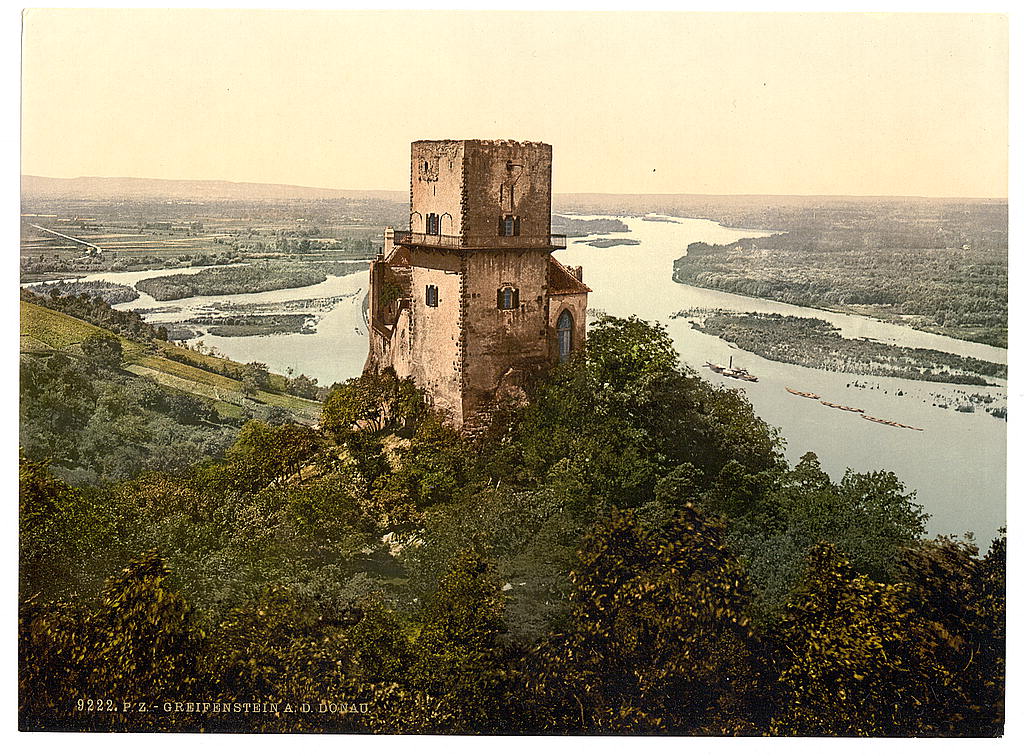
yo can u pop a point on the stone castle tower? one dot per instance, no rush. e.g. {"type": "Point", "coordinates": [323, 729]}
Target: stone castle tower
{"type": "Point", "coordinates": [469, 301]}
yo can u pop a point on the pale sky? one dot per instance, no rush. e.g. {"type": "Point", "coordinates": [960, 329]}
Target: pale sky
{"type": "Point", "coordinates": [880, 104]}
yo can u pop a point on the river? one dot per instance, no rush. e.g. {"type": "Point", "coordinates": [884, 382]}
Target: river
{"type": "Point", "coordinates": [957, 465]}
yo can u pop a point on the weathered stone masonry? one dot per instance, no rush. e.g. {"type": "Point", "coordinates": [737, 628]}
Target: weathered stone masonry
{"type": "Point", "coordinates": [469, 301]}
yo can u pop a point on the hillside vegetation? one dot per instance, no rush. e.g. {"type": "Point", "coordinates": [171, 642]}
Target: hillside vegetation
{"type": "Point", "coordinates": [101, 405]}
{"type": "Point", "coordinates": [628, 552]}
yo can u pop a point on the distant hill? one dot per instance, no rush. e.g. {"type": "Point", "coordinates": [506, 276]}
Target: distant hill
{"type": "Point", "coordinates": [94, 187]}
{"type": "Point", "coordinates": [567, 202]}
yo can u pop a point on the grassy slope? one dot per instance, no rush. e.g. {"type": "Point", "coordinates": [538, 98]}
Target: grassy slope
{"type": "Point", "coordinates": [42, 328]}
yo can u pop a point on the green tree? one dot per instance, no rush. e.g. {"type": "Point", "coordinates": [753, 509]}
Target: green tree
{"type": "Point", "coordinates": [57, 400]}
{"type": "Point", "coordinates": [775, 522]}
{"type": "Point", "coordinates": [855, 657]}
{"type": "Point", "coordinates": [658, 639]}
{"type": "Point", "coordinates": [255, 375]}
{"type": "Point", "coordinates": [103, 349]}
{"type": "Point", "coordinates": [460, 661]}
{"type": "Point", "coordinates": [429, 472]}
{"type": "Point", "coordinates": [263, 453]}
{"type": "Point", "coordinates": [60, 531]}
{"type": "Point", "coordinates": [281, 649]}
{"type": "Point", "coordinates": [303, 386]}
{"type": "Point", "coordinates": [626, 414]}
{"type": "Point", "coordinates": [141, 644]}
{"type": "Point", "coordinates": [960, 600]}
{"type": "Point", "coordinates": [372, 402]}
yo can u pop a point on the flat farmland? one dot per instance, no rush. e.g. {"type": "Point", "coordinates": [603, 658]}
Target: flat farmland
{"type": "Point", "coordinates": [77, 236]}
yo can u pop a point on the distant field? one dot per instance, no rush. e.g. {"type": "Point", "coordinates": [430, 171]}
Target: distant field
{"type": "Point", "coordinates": [105, 249]}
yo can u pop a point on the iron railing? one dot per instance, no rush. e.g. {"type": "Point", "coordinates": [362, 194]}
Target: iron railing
{"type": "Point", "coordinates": [555, 241]}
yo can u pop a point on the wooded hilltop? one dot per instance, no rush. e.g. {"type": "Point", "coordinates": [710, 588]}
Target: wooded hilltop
{"type": "Point", "coordinates": [628, 552]}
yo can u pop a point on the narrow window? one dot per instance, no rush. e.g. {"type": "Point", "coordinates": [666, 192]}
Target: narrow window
{"type": "Point", "coordinates": [508, 298]}
{"type": "Point", "coordinates": [509, 226]}
{"type": "Point", "coordinates": [564, 335]}
{"type": "Point", "coordinates": [431, 296]}
{"type": "Point", "coordinates": [433, 224]}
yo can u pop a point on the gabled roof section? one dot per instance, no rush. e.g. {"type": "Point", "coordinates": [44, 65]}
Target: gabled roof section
{"type": "Point", "coordinates": [561, 281]}
{"type": "Point", "coordinates": [399, 256]}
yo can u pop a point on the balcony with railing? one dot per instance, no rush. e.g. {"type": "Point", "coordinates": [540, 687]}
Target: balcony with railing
{"type": "Point", "coordinates": [554, 241]}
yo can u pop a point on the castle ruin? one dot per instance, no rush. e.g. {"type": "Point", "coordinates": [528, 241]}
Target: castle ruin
{"type": "Point", "coordinates": [469, 301]}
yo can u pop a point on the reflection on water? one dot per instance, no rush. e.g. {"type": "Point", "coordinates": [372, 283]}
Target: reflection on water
{"type": "Point", "coordinates": [957, 464]}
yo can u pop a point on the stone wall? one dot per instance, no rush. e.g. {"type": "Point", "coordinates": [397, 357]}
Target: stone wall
{"type": "Point", "coordinates": [436, 186]}
{"type": "Point", "coordinates": [435, 333]}
{"type": "Point", "coordinates": [522, 190]}
{"type": "Point", "coordinates": [471, 186]}
{"type": "Point", "coordinates": [496, 339]}
{"type": "Point", "coordinates": [417, 341]}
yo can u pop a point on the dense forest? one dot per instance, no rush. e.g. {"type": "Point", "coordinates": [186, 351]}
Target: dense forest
{"type": "Point", "coordinates": [96, 310]}
{"type": "Point", "coordinates": [585, 226]}
{"type": "Point", "coordinates": [627, 552]}
{"type": "Point", "coordinates": [94, 421]}
{"type": "Point", "coordinates": [903, 274]}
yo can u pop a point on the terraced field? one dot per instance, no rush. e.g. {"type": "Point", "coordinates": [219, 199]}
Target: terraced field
{"type": "Point", "coordinates": [49, 329]}
{"type": "Point", "coordinates": [43, 329]}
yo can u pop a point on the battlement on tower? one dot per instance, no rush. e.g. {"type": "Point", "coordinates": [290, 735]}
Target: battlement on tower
{"type": "Point", "coordinates": [475, 193]}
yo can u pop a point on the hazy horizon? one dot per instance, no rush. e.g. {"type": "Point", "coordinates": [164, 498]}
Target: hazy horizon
{"type": "Point", "coordinates": [405, 191]}
{"type": "Point", "coordinates": [731, 104]}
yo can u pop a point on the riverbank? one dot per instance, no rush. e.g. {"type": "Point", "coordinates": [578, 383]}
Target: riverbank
{"type": "Point", "coordinates": [255, 325]}
{"type": "Point", "coordinates": [605, 243]}
{"type": "Point", "coordinates": [960, 456]}
{"type": "Point", "coordinates": [111, 293]}
{"type": "Point", "coordinates": [814, 343]}
{"type": "Point", "coordinates": [244, 279]}
{"type": "Point", "coordinates": [953, 282]}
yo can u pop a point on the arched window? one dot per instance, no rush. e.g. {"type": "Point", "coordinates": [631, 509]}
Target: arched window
{"type": "Point", "coordinates": [564, 335]}
{"type": "Point", "coordinates": [431, 296]}
{"type": "Point", "coordinates": [433, 224]}
{"type": "Point", "coordinates": [508, 225]}
{"type": "Point", "coordinates": [508, 298]}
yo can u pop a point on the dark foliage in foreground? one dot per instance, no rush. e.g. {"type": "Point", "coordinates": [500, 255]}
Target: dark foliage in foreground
{"type": "Point", "coordinates": [628, 553]}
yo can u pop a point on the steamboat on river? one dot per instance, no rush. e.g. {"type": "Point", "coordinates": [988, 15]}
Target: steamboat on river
{"type": "Point", "coordinates": [731, 372]}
